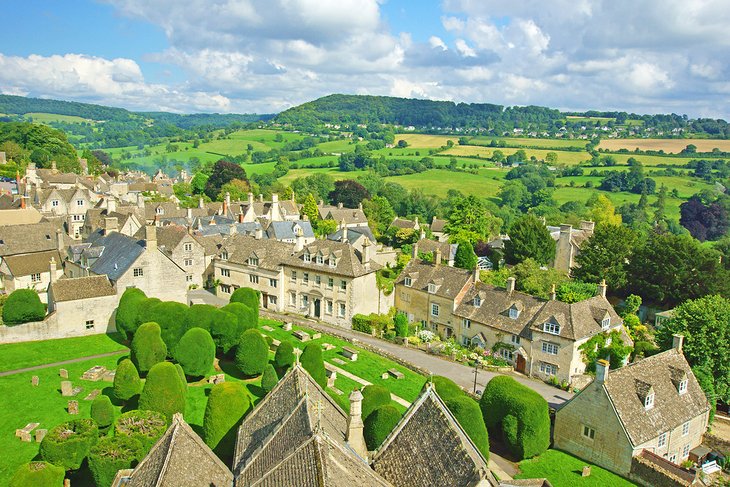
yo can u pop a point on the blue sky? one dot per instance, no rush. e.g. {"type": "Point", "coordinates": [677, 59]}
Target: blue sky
{"type": "Point", "coordinates": [267, 55]}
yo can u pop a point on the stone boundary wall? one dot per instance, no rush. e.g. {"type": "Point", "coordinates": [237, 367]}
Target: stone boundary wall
{"type": "Point", "coordinates": [654, 471]}
{"type": "Point", "coordinates": [32, 331]}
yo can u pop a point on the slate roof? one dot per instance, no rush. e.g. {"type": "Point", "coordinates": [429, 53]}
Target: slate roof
{"type": "Point", "coordinates": [353, 234]}
{"type": "Point", "coordinates": [24, 239]}
{"type": "Point", "coordinates": [286, 230]}
{"type": "Point", "coordinates": [116, 253]}
{"type": "Point", "coordinates": [671, 409]}
{"type": "Point", "coordinates": [180, 458]}
{"type": "Point", "coordinates": [450, 281]}
{"type": "Point", "coordinates": [35, 263]}
{"type": "Point", "coordinates": [429, 447]}
{"type": "Point", "coordinates": [71, 289]}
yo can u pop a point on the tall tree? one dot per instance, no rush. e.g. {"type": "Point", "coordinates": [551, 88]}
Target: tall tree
{"type": "Point", "coordinates": [380, 214]}
{"type": "Point", "coordinates": [529, 238]}
{"type": "Point", "coordinates": [223, 172]}
{"type": "Point", "coordinates": [465, 257]}
{"type": "Point", "coordinates": [470, 220]}
{"type": "Point", "coordinates": [309, 209]}
{"type": "Point", "coordinates": [348, 192]}
{"type": "Point", "coordinates": [605, 255]}
{"type": "Point", "coordinates": [603, 211]}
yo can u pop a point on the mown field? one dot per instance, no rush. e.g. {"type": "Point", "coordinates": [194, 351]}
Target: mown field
{"type": "Point", "coordinates": [673, 146]}
{"type": "Point", "coordinates": [54, 117]}
{"type": "Point", "coordinates": [529, 142]}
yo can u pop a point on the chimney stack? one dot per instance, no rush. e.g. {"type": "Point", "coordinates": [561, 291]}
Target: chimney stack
{"type": "Point", "coordinates": [59, 242]}
{"type": "Point", "coordinates": [226, 203]}
{"type": "Point", "coordinates": [189, 214]}
{"type": "Point", "coordinates": [52, 268]}
{"type": "Point", "coordinates": [53, 166]}
{"type": "Point", "coordinates": [423, 234]}
{"type": "Point", "coordinates": [553, 294]}
{"type": "Point", "coordinates": [475, 277]}
{"type": "Point", "coordinates": [240, 217]}
{"type": "Point", "coordinates": [437, 256]}
{"type": "Point", "coordinates": [339, 205]}
{"type": "Point", "coordinates": [355, 426]}
{"type": "Point", "coordinates": [259, 233]}
{"type": "Point", "coordinates": [275, 212]}
{"type": "Point", "coordinates": [140, 200]}
{"type": "Point", "coordinates": [602, 288]}
{"type": "Point", "coordinates": [359, 206]}
{"type": "Point", "coordinates": [261, 198]}
{"type": "Point", "coordinates": [511, 282]}
{"type": "Point", "coordinates": [150, 237]}
{"type": "Point", "coordinates": [366, 251]}
{"type": "Point", "coordinates": [111, 205]}
{"type": "Point", "coordinates": [602, 367]}
{"type": "Point", "coordinates": [250, 198]}
{"type": "Point", "coordinates": [677, 342]}
{"type": "Point", "coordinates": [111, 224]}
{"type": "Point", "coordinates": [587, 226]}
{"type": "Point", "coordinates": [414, 254]}
{"type": "Point", "coordinates": [299, 246]}
{"type": "Point", "coordinates": [201, 202]}
{"type": "Point", "coordinates": [344, 231]}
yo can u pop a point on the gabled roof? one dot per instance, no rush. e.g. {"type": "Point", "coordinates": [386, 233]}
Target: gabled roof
{"type": "Point", "coordinates": [453, 280]}
{"type": "Point", "coordinates": [353, 234]}
{"type": "Point", "coordinates": [25, 239]}
{"type": "Point", "coordinates": [348, 261]}
{"type": "Point", "coordinates": [349, 215]}
{"type": "Point", "coordinates": [35, 263]}
{"type": "Point", "coordinates": [438, 225]}
{"type": "Point", "coordinates": [404, 223]}
{"type": "Point", "coordinates": [286, 230]}
{"type": "Point", "coordinates": [271, 253]}
{"type": "Point", "coordinates": [429, 447]}
{"type": "Point", "coordinates": [116, 253]}
{"type": "Point", "coordinates": [19, 216]}
{"type": "Point", "coordinates": [170, 236]}
{"type": "Point", "coordinates": [71, 289]}
{"type": "Point", "coordinates": [627, 388]}
{"type": "Point", "coordinates": [448, 250]}
{"type": "Point", "coordinates": [180, 458]}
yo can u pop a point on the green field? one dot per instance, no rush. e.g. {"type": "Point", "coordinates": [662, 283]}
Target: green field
{"type": "Point", "coordinates": [563, 470]}
{"type": "Point", "coordinates": [54, 117]}
{"type": "Point", "coordinates": [530, 142]}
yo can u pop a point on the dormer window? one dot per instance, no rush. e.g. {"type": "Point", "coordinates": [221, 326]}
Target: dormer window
{"type": "Point", "coordinates": [307, 257]}
{"type": "Point", "coordinates": [159, 210]}
{"type": "Point", "coordinates": [224, 255]}
{"type": "Point", "coordinates": [54, 203]}
{"type": "Point", "coordinates": [606, 323]}
{"type": "Point", "coordinates": [552, 328]}
{"type": "Point", "coordinates": [408, 282]}
{"type": "Point", "coordinates": [333, 261]}
{"type": "Point", "coordinates": [320, 260]}
{"type": "Point", "coordinates": [682, 387]}
{"type": "Point", "coordinates": [649, 401]}
{"type": "Point", "coordinates": [513, 313]}
{"type": "Point", "coordinates": [478, 301]}
{"type": "Point", "coordinates": [253, 261]}
{"type": "Point", "coordinates": [432, 288]}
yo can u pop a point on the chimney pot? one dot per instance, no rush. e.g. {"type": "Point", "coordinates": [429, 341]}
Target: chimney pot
{"type": "Point", "coordinates": [437, 256]}
{"type": "Point", "coordinates": [553, 294]}
{"type": "Point", "coordinates": [511, 282]}
{"type": "Point", "coordinates": [602, 287]}
{"type": "Point", "coordinates": [261, 198]}
{"type": "Point", "coordinates": [339, 205]}
{"type": "Point", "coordinates": [414, 255]}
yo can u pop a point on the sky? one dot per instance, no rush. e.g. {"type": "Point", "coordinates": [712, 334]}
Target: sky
{"type": "Point", "coordinates": [263, 56]}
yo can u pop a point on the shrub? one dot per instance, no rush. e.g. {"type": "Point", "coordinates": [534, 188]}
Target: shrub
{"type": "Point", "coordinates": [228, 403]}
{"type": "Point", "coordinates": [68, 444]}
{"type": "Point", "coordinates": [379, 424]}
{"type": "Point", "coordinates": [224, 330]}
{"type": "Point", "coordinates": [362, 323]}
{"type": "Point", "coordinates": [284, 356]}
{"type": "Point", "coordinates": [314, 364]}
{"type": "Point", "coordinates": [374, 396]}
{"type": "Point", "coordinates": [144, 426]}
{"type": "Point", "coordinates": [148, 348]}
{"type": "Point", "coordinates": [172, 318]}
{"type": "Point", "coordinates": [126, 316]}
{"type": "Point", "coordinates": [252, 353]}
{"type": "Point", "coordinates": [401, 325]}
{"type": "Point", "coordinates": [111, 454]}
{"type": "Point", "coordinates": [144, 310]}
{"type": "Point", "coordinates": [23, 306]}
{"type": "Point", "coordinates": [195, 352]}
{"type": "Point", "coordinates": [467, 413]}
{"type": "Point", "coordinates": [126, 381]}
{"type": "Point", "coordinates": [446, 388]}
{"type": "Point", "coordinates": [163, 391]}
{"type": "Point", "coordinates": [36, 474]}
{"type": "Point", "coordinates": [247, 316]}
{"type": "Point", "coordinates": [269, 378]}
{"type": "Point", "coordinates": [102, 412]}
{"type": "Point", "coordinates": [247, 296]}
{"type": "Point", "coordinates": [201, 316]}
{"type": "Point", "coordinates": [181, 374]}
{"type": "Point", "coordinates": [518, 414]}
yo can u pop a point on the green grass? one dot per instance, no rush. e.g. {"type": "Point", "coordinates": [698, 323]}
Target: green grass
{"type": "Point", "coordinates": [563, 470]}
{"type": "Point", "coordinates": [439, 181]}
{"type": "Point", "coordinates": [54, 117]}
{"type": "Point", "coordinates": [20, 355]}
{"type": "Point", "coordinates": [530, 142]}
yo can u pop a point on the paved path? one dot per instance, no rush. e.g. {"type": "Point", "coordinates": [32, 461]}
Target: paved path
{"type": "Point", "coordinates": [63, 362]}
{"type": "Point", "coordinates": [362, 381]}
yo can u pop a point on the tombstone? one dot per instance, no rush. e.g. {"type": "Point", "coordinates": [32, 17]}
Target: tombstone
{"type": "Point", "coordinates": [73, 407]}
{"type": "Point", "coordinates": [586, 471]}
{"type": "Point", "coordinates": [95, 373]}
{"type": "Point", "coordinates": [63, 373]}
{"type": "Point", "coordinates": [349, 353]}
{"type": "Point", "coordinates": [331, 377]}
{"type": "Point", "coordinates": [384, 375]}
{"type": "Point", "coordinates": [301, 335]}
{"type": "Point", "coordinates": [275, 344]}
{"type": "Point", "coordinates": [25, 436]}
{"type": "Point", "coordinates": [327, 347]}
{"type": "Point", "coordinates": [338, 361]}
{"type": "Point", "coordinates": [396, 373]}
{"type": "Point", "coordinates": [92, 395]}
{"type": "Point", "coordinates": [34, 380]}
{"type": "Point", "coordinates": [109, 376]}
{"type": "Point", "coordinates": [287, 326]}
{"type": "Point", "coordinates": [219, 379]}
{"type": "Point", "coordinates": [66, 388]}
{"type": "Point", "coordinates": [316, 336]}
{"type": "Point", "coordinates": [267, 328]}
{"type": "Point", "coordinates": [40, 434]}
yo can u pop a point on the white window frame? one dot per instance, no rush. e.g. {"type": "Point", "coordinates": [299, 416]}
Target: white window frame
{"type": "Point", "coordinates": [513, 313]}
{"type": "Point", "coordinates": [293, 277]}
{"type": "Point", "coordinates": [477, 301]}
{"type": "Point", "coordinates": [273, 282]}
{"type": "Point", "coordinates": [550, 348]}
{"type": "Point", "coordinates": [292, 299]}
{"type": "Point", "coordinates": [319, 259]}
{"type": "Point", "coordinates": [431, 288]}
{"type": "Point", "coordinates": [36, 277]}
{"type": "Point", "coordinates": [552, 328]}
{"type": "Point", "coordinates": [188, 247]}
{"type": "Point", "coordinates": [466, 323]}
{"type": "Point", "coordinates": [317, 280]}
{"type": "Point", "coordinates": [224, 255]}
{"type": "Point", "coordinates": [606, 323]}
{"type": "Point", "coordinates": [407, 282]}
{"type": "Point", "coordinates": [253, 278]}
{"type": "Point", "coordinates": [685, 451]}
{"type": "Point", "coordinates": [226, 288]}
{"type": "Point", "coordinates": [55, 203]}
{"type": "Point", "coordinates": [333, 262]}
{"type": "Point", "coordinates": [435, 309]}
{"type": "Point", "coordinates": [330, 283]}
{"type": "Point", "coordinates": [89, 324]}
{"type": "Point", "coordinates": [272, 299]}
{"type": "Point", "coordinates": [685, 429]}
{"type": "Point", "coordinates": [549, 369]}
{"type": "Point", "coordinates": [649, 401]}
{"type": "Point", "coordinates": [305, 278]}
{"type": "Point", "coordinates": [79, 202]}
{"type": "Point", "coordinates": [225, 273]}
{"type": "Point", "coordinates": [188, 262]}
{"type": "Point", "coordinates": [662, 440]}
{"type": "Point", "coordinates": [307, 257]}
{"type": "Point", "coordinates": [341, 310]}
{"type": "Point", "coordinates": [682, 388]}
{"type": "Point", "coordinates": [328, 307]}
{"type": "Point", "coordinates": [189, 278]}
{"type": "Point", "coordinates": [305, 301]}
{"type": "Point", "coordinates": [253, 261]}
{"type": "Point", "coordinates": [515, 339]}
{"type": "Point", "coordinates": [343, 285]}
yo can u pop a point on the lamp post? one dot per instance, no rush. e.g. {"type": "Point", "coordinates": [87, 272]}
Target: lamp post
{"type": "Point", "coordinates": [476, 373]}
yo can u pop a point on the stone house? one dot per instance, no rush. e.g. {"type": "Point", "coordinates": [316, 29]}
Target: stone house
{"type": "Point", "coordinates": [405, 224]}
{"type": "Point", "coordinates": [428, 246]}
{"type": "Point", "coordinates": [350, 217]}
{"type": "Point", "coordinates": [184, 250]}
{"type": "Point", "coordinates": [83, 305]}
{"type": "Point", "coordinates": [568, 242]}
{"type": "Point", "coordinates": [254, 210]}
{"type": "Point", "coordinates": [655, 405]}
{"type": "Point", "coordinates": [128, 219]}
{"type": "Point", "coordinates": [31, 271]}
{"type": "Point", "coordinates": [438, 229]}
{"type": "Point", "coordinates": [71, 203]}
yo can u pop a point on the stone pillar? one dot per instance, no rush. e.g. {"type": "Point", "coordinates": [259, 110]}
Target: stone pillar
{"type": "Point", "coordinates": [355, 426]}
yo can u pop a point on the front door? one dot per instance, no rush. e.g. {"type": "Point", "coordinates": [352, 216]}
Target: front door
{"type": "Point", "coordinates": [520, 364]}
{"type": "Point", "coordinates": [265, 299]}
{"type": "Point", "coordinates": [317, 305]}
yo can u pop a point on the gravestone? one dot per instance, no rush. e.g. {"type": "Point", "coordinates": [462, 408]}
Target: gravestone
{"type": "Point", "coordinates": [66, 388]}
{"type": "Point", "coordinates": [92, 395]}
{"type": "Point", "coordinates": [63, 373]}
{"type": "Point", "coordinates": [301, 335]}
{"type": "Point", "coordinates": [40, 434]}
{"type": "Point", "coordinates": [349, 353]}
{"type": "Point", "coordinates": [34, 380]}
{"type": "Point", "coordinates": [95, 373]}
{"type": "Point", "coordinates": [287, 326]}
{"type": "Point", "coordinates": [586, 471]}
{"type": "Point", "coordinates": [316, 336]}
{"type": "Point", "coordinates": [275, 344]}
{"type": "Point", "coordinates": [331, 377]}
{"type": "Point", "coordinates": [396, 373]}
{"type": "Point", "coordinates": [73, 407]}
{"type": "Point", "coordinates": [327, 347]}
{"type": "Point", "coordinates": [267, 328]}
{"type": "Point", "coordinates": [338, 361]}
{"type": "Point", "coordinates": [109, 376]}
{"type": "Point", "coordinates": [384, 375]}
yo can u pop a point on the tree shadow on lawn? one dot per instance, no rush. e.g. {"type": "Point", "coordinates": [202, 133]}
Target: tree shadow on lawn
{"type": "Point", "coordinates": [230, 368]}
{"type": "Point", "coordinates": [119, 338]}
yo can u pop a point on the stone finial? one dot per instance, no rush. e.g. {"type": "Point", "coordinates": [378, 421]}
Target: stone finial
{"type": "Point", "coordinates": [355, 426]}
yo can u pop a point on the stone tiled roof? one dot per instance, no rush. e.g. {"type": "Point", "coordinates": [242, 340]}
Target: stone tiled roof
{"type": "Point", "coordinates": [349, 215]}
{"type": "Point", "coordinates": [438, 225]}
{"type": "Point", "coordinates": [8, 202]}
{"type": "Point", "coordinates": [71, 289]}
{"type": "Point", "coordinates": [23, 239]}
{"type": "Point", "coordinates": [348, 261]}
{"type": "Point", "coordinates": [180, 458]}
{"type": "Point", "coordinates": [20, 216]}
{"type": "Point", "coordinates": [35, 263]}
{"type": "Point", "coordinates": [403, 223]}
{"type": "Point", "coordinates": [170, 236]}
{"type": "Point", "coordinates": [429, 447]}
{"type": "Point", "coordinates": [448, 250]}
{"type": "Point", "coordinates": [211, 243]}
{"type": "Point", "coordinates": [671, 409]}
{"type": "Point", "coordinates": [450, 281]}
{"type": "Point", "coordinates": [271, 253]}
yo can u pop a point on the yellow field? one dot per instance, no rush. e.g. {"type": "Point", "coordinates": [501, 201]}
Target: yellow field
{"type": "Point", "coordinates": [564, 157]}
{"type": "Point", "coordinates": [667, 145]}
{"type": "Point", "coordinates": [423, 141]}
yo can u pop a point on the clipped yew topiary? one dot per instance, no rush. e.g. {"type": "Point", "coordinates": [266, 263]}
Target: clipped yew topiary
{"type": "Point", "coordinates": [518, 414]}
{"type": "Point", "coordinates": [183, 379]}
{"type": "Point", "coordinates": [374, 396]}
{"type": "Point", "coordinates": [68, 444]}
{"type": "Point", "coordinates": [227, 404]}
{"type": "Point", "coordinates": [163, 391]}
{"type": "Point", "coordinates": [127, 311]}
{"type": "Point", "coordinates": [284, 356]}
{"type": "Point", "coordinates": [249, 297]}
{"type": "Point", "coordinates": [126, 381]}
{"type": "Point", "coordinates": [23, 306]}
{"type": "Point", "coordinates": [147, 348]}
{"type": "Point", "coordinates": [144, 426]}
{"type": "Point", "coordinates": [446, 388]}
{"type": "Point", "coordinates": [313, 363]}
{"type": "Point", "coordinates": [379, 424]}
{"type": "Point", "coordinates": [35, 474]}
{"type": "Point", "coordinates": [400, 322]}
{"type": "Point", "coordinates": [252, 353]}
{"type": "Point", "coordinates": [111, 454]}
{"type": "Point", "coordinates": [247, 316]}
{"type": "Point", "coordinates": [467, 413]}
{"type": "Point", "coordinates": [144, 310]}
{"type": "Point", "coordinates": [201, 316]}
{"type": "Point", "coordinates": [269, 378]}
{"type": "Point", "coordinates": [102, 412]}
{"type": "Point", "coordinates": [172, 318]}
{"type": "Point", "coordinates": [195, 352]}
{"type": "Point", "coordinates": [224, 330]}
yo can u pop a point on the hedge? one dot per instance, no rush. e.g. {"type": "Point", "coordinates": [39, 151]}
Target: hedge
{"type": "Point", "coordinates": [269, 378]}
{"type": "Point", "coordinates": [227, 404]}
{"type": "Point", "coordinates": [373, 397]}
{"type": "Point", "coordinates": [102, 412]}
{"type": "Point", "coordinates": [313, 363]}
{"type": "Point", "coordinates": [144, 426]}
{"type": "Point", "coordinates": [401, 325]}
{"type": "Point", "coordinates": [195, 352]}
{"type": "Point", "coordinates": [163, 391]}
{"type": "Point", "coordinates": [111, 454]}
{"type": "Point", "coordinates": [201, 316]}
{"type": "Point", "coordinates": [23, 306]}
{"type": "Point", "coordinates": [447, 388]}
{"type": "Point", "coordinates": [248, 317]}
{"type": "Point", "coordinates": [379, 424]}
{"type": "Point", "coordinates": [371, 323]}
{"type": "Point", "coordinates": [467, 413]}
{"type": "Point", "coordinates": [284, 356]}
{"type": "Point", "coordinates": [148, 348]}
{"type": "Point", "coordinates": [252, 353]}
{"type": "Point", "coordinates": [36, 474]}
{"type": "Point", "coordinates": [225, 330]}
{"type": "Point", "coordinates": [249, 297]}
{"type": "Point", "coordinates": [126, 381]}
{"type": "Point", "coordinates": [172, 318]}
{"type": "Point", "coordinates": [517, 413]}
{"type": "Point", "coordinates": [68, 444]}
{"type": "Point", "coordinates": [128, 309]}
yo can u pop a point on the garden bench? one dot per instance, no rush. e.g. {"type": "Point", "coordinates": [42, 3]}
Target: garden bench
{"type": "Point", "coordinates": [710, 467]}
